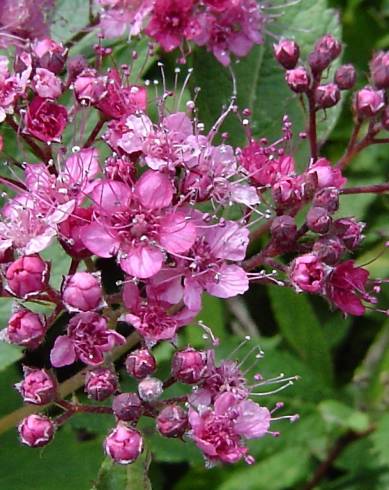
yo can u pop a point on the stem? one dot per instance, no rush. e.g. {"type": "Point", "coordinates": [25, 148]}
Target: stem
{"type": "Point", "coordinates": [336, 450]}
{"type": "Point", "coordinates": [82, 33]}
{"type": "Point", "coordinates": [95, 132]}
{"type": "Point", "coordinates": [367, 189]}
{"type": "Point", "coordinates": [35, 148]}
{"type": "Point", "coordinates": [66, 388]}
{"type": "Point", "coordinates": [312, 130]}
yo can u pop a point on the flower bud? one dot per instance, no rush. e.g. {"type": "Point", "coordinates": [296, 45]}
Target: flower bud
{"type": "Point", "coordinates": [150, 389]}
{"type": "Point", "coordinates": [379, 69]}
{"type": "Point", "coordinates": [70, 230]}
{"type": "Point", "coordinates": [385, 118]}
{"type": "Point", "coordinates": [100, 383]}
{"type": "Point", "coordinates": [288, 192]}
{"type": "Point", "coordinates": [345, 77]}
{"type": "Point", "coordinates": [319, 61]}
{"type": "Point", "coordinates": [82, 292]}
{"type": "Point", "coordinates": [298, 79]}
{"type": "Point", "coordinates": [287, 53]}
{"type": "Point", "coordinates": [283, 231]}
{"type": "Point", "coordinates": [329, 249]}
{"type": "Point", "coordinates": [140, 363]}
{"type": "Point", "coordinates": [123, 444]}
{"type": "Point", "coordinates": [368, 102]}
{"type": "Point", "coordinates": [26, 328]}
{"type": "Point", "coordinates": [318, 220]}
{"type": "Point", "coordinates": [127, 407]}
{"type": "Point", "coordinates": [307, 273]}
{"type": "Point", "coordinates": [172, 421]}
{"type": "Point", "coordinates": [75, 65]}
{"type": "Point", "coordinates": [50, 55]}
{"type": "Point", "coordinates": [38, 387]}
{"type": "Point", "coordinates": [349, 230]}
{"type": "Point", "coordinates": [328, 44]}
{"type": "Point", "coordinates": [27, 276]}
{"type": "Point", "coordinates": [189, 365]}
{"type": "Point", "coordinates": [327, 198]}
{"type": "Point", "coordinates": [327, 96]}
{"type": "Point", "coordinates": [36, 430]}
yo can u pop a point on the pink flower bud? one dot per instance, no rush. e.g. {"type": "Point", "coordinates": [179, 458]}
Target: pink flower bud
{"type": "Point", "coordinates": [319, 61]}
{"type": "Point", "coordinates": [38, 387]}
{"type": "Point", "coordinates": [368, 102]}
{"type": "Point", "coordinates": [36, 430]}
{"type": "Point", "coordinates": [327, 96]}
{"type": "Point", "coordinates": [75, 66]}
{"type": "Point", "coordinates": [345, 77]}
{"type": "Point", "coordinates": [328, 44]}
{"type": "Point", "coordinates": [50, 55]}
{"type": "Point", "coordinates": [379, 69]}
{"type": "Point", "coordinates": [288, 192]}
{"type": "Point", "coordinates": [140, 363]}
{"type": "Point", "coordinates": [349, 230]}
{"type": "Point", "coordinates": [329, 249]}
{"type": "Point", "coordinates": [88, 87]}
{"type": "Point", "coordinates": [287, 53]}
{"type": "Point", "coordinates": [123, 444]}
{"type": "Point", "coordinates": [150, 389]}
{"type": "Point", "coordinates": [318, 220]}
{"type": "Point", "coordinates": [283, 231]}
{"type": "Point", "coordinates": [82, 292]}
{"type": "Point", "coordinates": [172, 421]}
{"type": "Point", "coordinates": [127, 407]}
{"type": "Point", "coordinates": [26, 328]}
{"type": "Point", "coordinates": [27, 276]}
{"type": "Point", "coordinates": [100, 383]}
{"type": "Point", "coordinates": [189, 365]}
{"type": "Point", "coordinates": [45, 120]}
{"type": "Point", "coordinates": [307, 273]}
{"type": "Point", "coordinates": [298, 79]}
{"type": "Point", "coordinates": [327, 198]}
{"type": "Point", "coordinates": [46, 84]}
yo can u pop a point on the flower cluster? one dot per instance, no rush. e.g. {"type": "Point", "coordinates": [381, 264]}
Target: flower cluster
{"type": "Point", "coordinates": [224, 27]}
{"type": "Point", "coordinates": [172, 207]}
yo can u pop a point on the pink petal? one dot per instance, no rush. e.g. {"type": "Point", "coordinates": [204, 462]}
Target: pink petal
{"type": "Point", "coordinates": [110, 196]}
{"type": "Point", "coordinates": [63, 353]}
{"type": "Point", "coordinates": [253, 420]}
{"type": "Point", "coordinates": [83, 165]}
{"type": "Point", "coordinates": [154, 190]}
{"type": "Point", "coordinates": [99, 241]}
{"type": "Point", "coordinates": [192, 294]}
{"type": "Point", "coordinates": [142, 262]}
{"type": "Point", "coordinates": [177, 233]}
{"type": "Point", "coordinates": [232, 280]}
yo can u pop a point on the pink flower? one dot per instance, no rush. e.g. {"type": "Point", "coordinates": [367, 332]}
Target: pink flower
{"type": "Point", "coordinates": [100, 383]}
{"type": "Point", "coordinates": [26, 329]}
{"type": "Point", "coordinates": [219, 431]}
{"type": "Point", "coordinates": [87, 339]}
{"type": "Point", "coordinates": [36, 430]}
{"type": "Point", "coordinates": [123, 444]}
{"type": "Point", "coordinates": [46, 84]}
{"type": "Point", "coordinates": [45, 120]}
{"type": "Point", "coordinates": [38, 387]}
{"type": "Point", "coordinates": [27, 276]}
{"type": "Point", "coordinates": [170, 22]}
{"type": "Point", "coordinates": [172, 421]}
{"type": "Point", "coordinates": [122, 15]}
{"type": "Point", "coordinates": [137, 226]}
{"type": "Point", "coordinates": [308, 273]}
{"type": "Point", "coordinates": [49, 54]}
{"type": "Point", "coordinates": [346, 288]}
{"type": "Point", "coordinates": [326, 174]}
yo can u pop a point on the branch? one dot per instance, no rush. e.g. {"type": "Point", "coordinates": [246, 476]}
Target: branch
{"type": "Point", "coordinates": [367, 189]}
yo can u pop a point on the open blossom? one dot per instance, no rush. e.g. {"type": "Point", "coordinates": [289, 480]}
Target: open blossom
{"type": "Point", "coordinates": [88, 339]}
{"type": "Point", "coordinates": [45, 120]}
{"type": "Point", "coordinates": [136, 226]}
{"type": "Point", "coordinates": [219, 431]}
{"type": "Point", "coordinates": [308, 273]}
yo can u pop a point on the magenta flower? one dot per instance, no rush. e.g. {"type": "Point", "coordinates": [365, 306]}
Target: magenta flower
{"type": "Point", "coordinates": [38, 387]}
{"type": "Point", "coordinates": [82, 292]}
{"type": "Point", "coordinates": [326, 174]}
{"type": "Point", "coordinates": [28, 276]}
{"type": "Point", "coordinates": [220, 431]}
{"type": "Point", "coordinates": [25, 328]}
{"type": "Point", "coordinates": [45, 120]}
{"type": "Point", "coordinates": [138, 226]}
{"type": "Point", "coordinates": [123, 444]}
{"type": "Point", "coordinates": [46, 84]}
{"type": "Point", "coordinates": [36, 430]}
{"type": "Point", "coordinates": [308, 273]}
{"type": "Point", "coordinates": [88, 339]}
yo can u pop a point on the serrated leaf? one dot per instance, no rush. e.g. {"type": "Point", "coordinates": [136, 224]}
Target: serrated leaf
{"type": "Point", "coordinates": [338, 414]}
{"type": "Point", "coordinates": [260, 80]}
{"type": "Point", "coordinates": [124, 477]}
{"type": "Point", "coordinates": [302, 330]}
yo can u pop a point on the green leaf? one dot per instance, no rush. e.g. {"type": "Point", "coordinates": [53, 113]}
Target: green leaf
{"type": "Point", "coordinates": [9, 354]}
{"type": "Point", "coordinates": [70, 17]}
{"type": "Point", "coordinates": [281, 471]}
{"type": "Point", "coordinates": [260, 80]}
{"type": "Point", "coordinates": [124, 477]}
{"type": "Point", "coordinates": [380, 440]}
{"type": "Point", "coordinates": [301, 328]}
{"type": "Point", "coordinates": [338, 414]}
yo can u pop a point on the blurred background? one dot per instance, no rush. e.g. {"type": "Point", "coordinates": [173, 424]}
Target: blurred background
{"type": "Point", "coordinates": [342, 438]}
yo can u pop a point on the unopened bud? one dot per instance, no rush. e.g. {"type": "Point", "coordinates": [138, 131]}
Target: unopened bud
{"type": "Point", "coordinates": [127, 407]}
{"type": "Point", "coordinates": [368, 102]}
{"type": "Point", "coordinates": [319, 61]}
{"type": "Point", "coordinates": [287, 53]}
{"type": "Point", "coordinates": [345, 77]}
{"type": "Point", "coordinates": [283, 230]}
{"type": "Point", "coordinates": [36, 430]}
{"type": "Point", "coordinates": [140, 363]}
{"type": "Point", "coordinates": [123, 444]}
{"type": "Point", "coordinates": [26, 328]}
{"type": "Point", "coordinates": [327, 96]}
{"type": "Point", "coordinates": [82, 292]}
{"type": "Point", "coordinates": [379, 69]}
{"type": "Point", "coordinates": [328, 44]}
{"type": "Point", "coordinates": [189, 365]}
{"type": "Point", "coordinates": [100, 383]}
{"type": "Point", "coordinates": [172, 421]}
{"type": "Point", "coordinates": [150, 389]}
{"type": "Point", "coordinates": [329, 249]}
{"type": "Point", "coordinates": [38, 387]}
{"type": "Point", "coordinates": [349, 230]}
{"type": "Point", "coordinates": [318, 220]}
{"type": "Point", "coordinates": [298, 80]}
{"type": "Point", "coordinates": [28, 276]}
{"type": "Point", "coordinates": [327, 198]}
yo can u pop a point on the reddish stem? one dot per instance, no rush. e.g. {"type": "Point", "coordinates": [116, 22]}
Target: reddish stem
{"type": "Point", "coordinates": [367, 189]}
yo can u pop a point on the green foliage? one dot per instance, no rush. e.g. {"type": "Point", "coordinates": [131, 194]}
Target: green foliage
{"type": "Point", "coordinates": [127, 477]}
